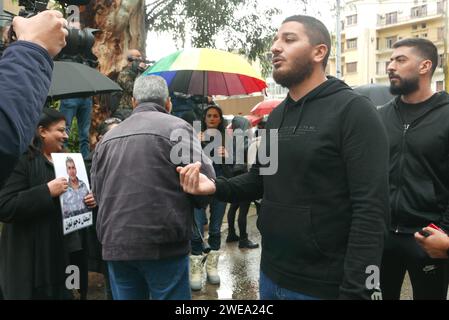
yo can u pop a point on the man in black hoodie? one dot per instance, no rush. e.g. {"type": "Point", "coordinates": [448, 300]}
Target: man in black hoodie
{"type": "Point", "coordinates": [417, 123]}
{"type": "Point", "coordinates": [324, 211]}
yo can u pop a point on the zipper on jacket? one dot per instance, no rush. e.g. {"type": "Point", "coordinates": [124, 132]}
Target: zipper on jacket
{"type": "Point", "coordinates": [406, 128]}
{"type": "Point", "coordinates": [401, 167]}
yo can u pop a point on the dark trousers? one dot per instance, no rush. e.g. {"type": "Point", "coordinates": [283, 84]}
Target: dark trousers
{"type": "Point", "coordinates": [429, 277]}
{"type": "Point", "coordinates": [243, 213]}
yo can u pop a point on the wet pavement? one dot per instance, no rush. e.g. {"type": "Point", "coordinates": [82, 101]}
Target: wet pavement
{"type": "Point", "coordinates": [238, 270]}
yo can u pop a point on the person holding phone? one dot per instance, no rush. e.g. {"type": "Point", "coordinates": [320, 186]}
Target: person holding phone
{"type": "Point", "coordinates": [417, 124]}
{"type": "Point", "coordinates": [434, 242]}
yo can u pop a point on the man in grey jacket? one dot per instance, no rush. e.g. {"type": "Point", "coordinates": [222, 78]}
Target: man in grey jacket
{"type": "Point", "coordinates": [145, 219]}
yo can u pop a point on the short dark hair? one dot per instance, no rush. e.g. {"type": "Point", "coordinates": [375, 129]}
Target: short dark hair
{"type": "Point", "coordinates": [426, 49]}
{"type": "Point", "coordinates": [316, 32]}
{"type": "Point", "coordinates": [106, 124]}
{"type": "Point", "coordinates": [48, 117]}
{"type": "Point", "coordinates": [68, 159]}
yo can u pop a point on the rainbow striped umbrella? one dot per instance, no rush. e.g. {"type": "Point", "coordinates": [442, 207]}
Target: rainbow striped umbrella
{"type": "Point", "coordinates": [207, 72]}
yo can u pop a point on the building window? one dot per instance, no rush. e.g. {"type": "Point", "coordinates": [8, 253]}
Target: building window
{"type": "Point", "coordinates": [377, 44]}
{"type": "Point", "coordinates": [391, 18]}
{"type": "Point", "coordinates": [390, 41]}
{"type": "Point", "coordinates": [351, 44]}
{"type": "Point", "coordinates": [381, 68]}
{"type": "Point", "coordinates": [440, 7]}
{"type": "Point", "coordinates": [440, 34]}
{"type": "Point", "coordinates": [414, 26]}
{"type": "Point", "coordinates": [424, 35]}
{"type": "Point", "coordinates": [351, 67]}
{"type": "Point", "coordinates": [419, 11]}
{"type": "Point", "coordinates": [439, 86]}
{"type": "Point", "coordinates": [440, 60]}
{"type": "Point", "coordinates": [351, 20]}
{"type": "Point", "coordinates": [423, 25]}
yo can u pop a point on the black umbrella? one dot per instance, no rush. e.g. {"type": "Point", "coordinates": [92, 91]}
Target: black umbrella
{"type": "Point", "coordinates": [377, 93]}
{"type": "Point", "coordinates": [76, 80]}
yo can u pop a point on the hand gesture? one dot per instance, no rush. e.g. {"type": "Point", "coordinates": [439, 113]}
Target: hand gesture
{"type": "Point", "coordinates": [57, 187]}
{"type": "Point", "coordinates": [89, 200]}
{"type": "Point", "coordinates": [46, 29]}
{"type": "Point", "coordinates": [435, 244]}
{"type": "Point", "coordinates": [194, 182]}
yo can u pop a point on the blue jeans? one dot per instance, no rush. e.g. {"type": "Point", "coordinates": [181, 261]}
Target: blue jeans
{"type": "Point", "coordinates": [217, 211]}
{"type": "Point", "coordinates": [268, 290]}
{"type": "Point", "coordinates": [166, 279]}
{"type": "Point", "coordinates": [81, 108]}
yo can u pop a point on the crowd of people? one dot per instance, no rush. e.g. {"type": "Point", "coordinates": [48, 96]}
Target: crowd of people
{"type": "Point", "coordinates": [356, 188]}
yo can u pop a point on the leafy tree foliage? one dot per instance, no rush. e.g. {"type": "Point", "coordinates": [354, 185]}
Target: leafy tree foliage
{"type": "Point", "coordinates": [243, 26]}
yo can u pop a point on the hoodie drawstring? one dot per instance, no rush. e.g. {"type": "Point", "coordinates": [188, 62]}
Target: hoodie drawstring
{"type": "Point", "coordinates": [283, 116]}
{"type": "Point", "coordinates": [300, 115]}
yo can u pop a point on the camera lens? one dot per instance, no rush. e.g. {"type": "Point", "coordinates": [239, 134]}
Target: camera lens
{"type": "Point", "coordinates": [80, 42]}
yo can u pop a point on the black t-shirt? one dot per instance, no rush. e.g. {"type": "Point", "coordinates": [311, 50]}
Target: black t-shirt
{"type": "Point", "coordinates": [412, 111]}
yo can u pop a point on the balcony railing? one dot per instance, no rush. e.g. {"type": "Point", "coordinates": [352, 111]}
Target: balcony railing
{"type": "Point", "coordinates": [382, 21]}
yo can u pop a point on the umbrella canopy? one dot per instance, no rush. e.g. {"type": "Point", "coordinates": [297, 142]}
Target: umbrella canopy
{"type": "Point", "coordinates": [265, 107]}
{"type": "Point", "coordinates": [76, 80]}
{"type": "Point", "coordinates": [378, 94]}
{"type": "Point", "coordinates": [253, 119]}
{"type": "Point", "coordinates": [208, 72]}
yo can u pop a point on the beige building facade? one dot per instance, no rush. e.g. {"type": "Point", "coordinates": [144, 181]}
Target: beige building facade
{"type": "Point", "coordinates": [369, 29]}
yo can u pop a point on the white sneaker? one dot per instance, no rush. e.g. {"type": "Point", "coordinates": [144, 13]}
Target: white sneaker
{"type": "Point", "coordinates": [196, 272]}
{"type": "Point", "coordinates": [211, 267]}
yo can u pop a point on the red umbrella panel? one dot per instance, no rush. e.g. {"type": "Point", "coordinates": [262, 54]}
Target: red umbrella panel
{"type": "Point", "coordinates": [211, 83]}
{"type": "Point", "coordinates": [253, 119]}
{"type": "Point", "coordinates": [265, 107]}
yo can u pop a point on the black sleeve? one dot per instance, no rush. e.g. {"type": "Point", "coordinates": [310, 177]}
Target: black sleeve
{"type": "Point", "coordinates": [20, 202]}
{"type": "Point", "coordinates": [25, 77]}
{"type": "Point", "coordinates": [366, 154]}
{"type": "Point", "coordinates": [247, 186]}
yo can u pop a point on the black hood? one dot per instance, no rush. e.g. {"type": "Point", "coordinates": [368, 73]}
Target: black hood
{"type": "Point", "coordinates": [327, 88]}
{"type": "Point", "coordinates": [438, 100]}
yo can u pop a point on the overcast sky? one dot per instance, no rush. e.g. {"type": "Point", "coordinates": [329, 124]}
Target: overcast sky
{"type": "Point", "coordinates": [161, 45]}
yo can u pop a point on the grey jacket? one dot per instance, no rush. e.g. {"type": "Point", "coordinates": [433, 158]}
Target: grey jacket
{"type": "Point", "coordinates": [143, 212]}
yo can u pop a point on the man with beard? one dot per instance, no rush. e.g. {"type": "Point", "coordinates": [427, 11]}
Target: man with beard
{"type": "Point", "coordinates": [417, 124]}
{"type": "Point", "coordinates": [324, 211]}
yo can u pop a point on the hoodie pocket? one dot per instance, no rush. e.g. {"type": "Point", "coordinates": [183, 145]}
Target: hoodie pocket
{"type": "Point", "coordinates": [287, 232]}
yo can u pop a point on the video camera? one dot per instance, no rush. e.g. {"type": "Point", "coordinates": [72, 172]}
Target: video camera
{"type": "Point", "coordinates": [136, 64]}
{"type": "Point", "coordinates": [79, 42]}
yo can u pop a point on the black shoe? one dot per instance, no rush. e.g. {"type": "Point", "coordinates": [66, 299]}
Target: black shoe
{"type": "Point", "coordinates": [246, 243]}
{"type": "Point", "coordinates": [232, 237]}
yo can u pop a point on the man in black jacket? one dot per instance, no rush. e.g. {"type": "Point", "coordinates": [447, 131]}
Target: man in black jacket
{"type": "Point", "coordinates": [417, 123]}
{"type": "Point", "coordinates": [25, 77]}
{"type": "Point", "coordinates": [324, 211]}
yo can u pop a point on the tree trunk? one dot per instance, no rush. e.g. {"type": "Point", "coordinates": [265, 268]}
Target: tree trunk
{"type": "Point", "coordinates": [122, 25]}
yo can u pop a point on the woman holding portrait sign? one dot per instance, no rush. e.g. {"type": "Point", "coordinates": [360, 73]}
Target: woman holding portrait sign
{"type": "Point", "coordinates": [34, 253]}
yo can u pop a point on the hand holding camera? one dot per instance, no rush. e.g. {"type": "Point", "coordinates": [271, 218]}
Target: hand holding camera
{"type": "Point", "coordinates": [47, 29]}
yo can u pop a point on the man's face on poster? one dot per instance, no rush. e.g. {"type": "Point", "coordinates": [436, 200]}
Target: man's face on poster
{"type": "Point", "coordinates": [71, 169]}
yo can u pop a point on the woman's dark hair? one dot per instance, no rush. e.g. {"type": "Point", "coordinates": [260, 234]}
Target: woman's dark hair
{"type": "Point", "coordinates": [48, 117]}
{"type": "Point", "coordinates": [221, 126]}
{"type": "Point", "coordinates": [105, 125]}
